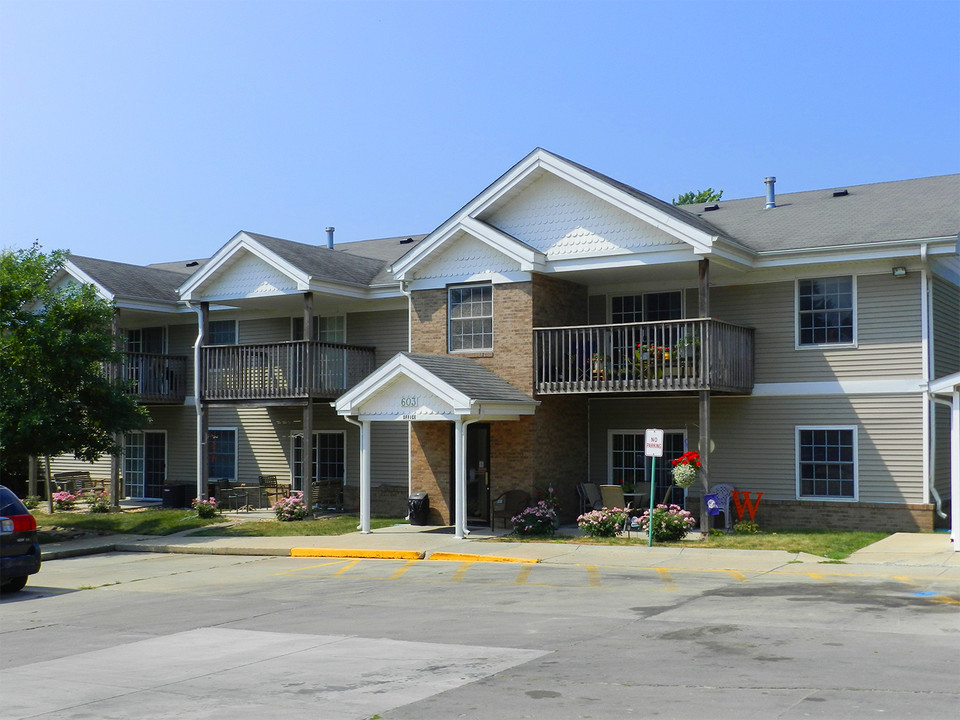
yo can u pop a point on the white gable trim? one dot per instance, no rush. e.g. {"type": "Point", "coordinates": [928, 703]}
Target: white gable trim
{"type": "Point", "coordinates": [525, 256]}
{"type": "Point", "coordinates": [469, 218]}
{"type": "Point", "coordinates": [81, 277]}
{"type": "Point", "coordinates": [191, 289]}
{"type": "Point", "coordinates": [447, 403]}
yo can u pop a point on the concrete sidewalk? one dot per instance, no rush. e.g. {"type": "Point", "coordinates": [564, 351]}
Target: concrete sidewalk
{"type": "Point", "coordinates": [930, 551]}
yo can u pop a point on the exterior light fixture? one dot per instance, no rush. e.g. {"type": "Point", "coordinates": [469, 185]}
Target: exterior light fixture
{"type": "Point", "coordinates": [899, 272]}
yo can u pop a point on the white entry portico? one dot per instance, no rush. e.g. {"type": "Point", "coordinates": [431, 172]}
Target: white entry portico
{"type": "Point", "coordinates": [430, 388]}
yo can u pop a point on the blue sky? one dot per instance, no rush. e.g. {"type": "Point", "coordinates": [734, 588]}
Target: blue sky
{"type": "Point", "coordinates": [150, 131]}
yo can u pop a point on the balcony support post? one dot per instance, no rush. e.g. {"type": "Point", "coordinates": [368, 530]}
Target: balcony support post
{"type": "Point", "coordinates": [703, 294]}
{"type": "Point", "coordinates": [310, 359]}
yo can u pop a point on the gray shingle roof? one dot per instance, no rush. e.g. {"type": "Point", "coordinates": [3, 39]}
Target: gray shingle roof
{"type": "Point", "coordinates": [470, 377]}
{"type": "Point", "coordinates": [901, 210]}
{"type": "Point", "coordinates": [363, 263]}
{"type": "Point", "coordinates": [131, 281]}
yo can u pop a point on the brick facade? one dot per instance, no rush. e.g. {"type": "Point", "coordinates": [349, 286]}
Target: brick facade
{"type": "Point", "coordinates": [809, 515]}
{"type": "Point", "coordinates": [549, 447]}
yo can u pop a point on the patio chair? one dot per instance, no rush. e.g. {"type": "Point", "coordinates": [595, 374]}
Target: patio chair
{"type": "Point", "coordinates": [613, 498]}
{"type": "Point", "coordinates": [272, 490]}
{"type": "Point", "coordinates": [508, 505]}
{"type": "Point", "coordinates": [594, 498]}
{"type": "Point", "coordinates": [723, 492]}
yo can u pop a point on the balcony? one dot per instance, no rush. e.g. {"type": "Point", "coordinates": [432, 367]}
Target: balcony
{"type": "Point", "coordinates": [283, 371]}
{"type": "Point", "coordinates": [675, 356]}
{"type": "Point", "coordinates": [154, 379]}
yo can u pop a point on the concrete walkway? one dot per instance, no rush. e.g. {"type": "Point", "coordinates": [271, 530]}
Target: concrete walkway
{"type": "Point", "coordinates": [931, 552]}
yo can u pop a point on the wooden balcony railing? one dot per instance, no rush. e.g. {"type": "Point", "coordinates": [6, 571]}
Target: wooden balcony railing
{"type": "Point", "coordinates": [671, 356]}
{"type": "Point", "coordinates": [285, 370]}
{"type": "Point", "coordinates": [154, 379]}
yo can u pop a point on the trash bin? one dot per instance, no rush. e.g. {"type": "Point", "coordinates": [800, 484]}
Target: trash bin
{"type": "Point", "coordinates": [419, 508]}
{"type": "Point", "coordinates": [176, 496]}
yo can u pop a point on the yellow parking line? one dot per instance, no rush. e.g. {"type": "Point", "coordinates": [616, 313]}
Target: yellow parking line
{"type": "Point", "coordinates": [403, 568]}
{"type": "Point", "coordinates": [308, 567]}
{"type": "Point", "coordinates": [462, 570]}
{"type": "Point", "coordinates": [737, 576]}
{"type": "Point", "coordinates": [666, 579]}
{"type": "Point", "coordinates": [341, 553]}
{"type": "Point", "coordinates": [346, 567]}
{"type": "Point", "coordinates": [593, 575]}
{"type": "Point", "coordinates": [523, 574]}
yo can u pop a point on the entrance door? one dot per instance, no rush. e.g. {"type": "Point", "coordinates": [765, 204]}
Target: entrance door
{"type": "Point", "coordinates": [478, 474]}
{"type": "Point", "coordinates": [145, 464]}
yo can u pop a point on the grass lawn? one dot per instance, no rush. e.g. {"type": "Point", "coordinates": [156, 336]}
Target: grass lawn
{"type": "Point", "coordinates": [340, 525]}
{"type": "Point", "coordinates": [827, 544]}
{"type": "Point", "coordinates": [67, 525]}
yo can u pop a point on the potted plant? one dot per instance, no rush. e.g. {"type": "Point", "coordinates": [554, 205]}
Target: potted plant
{"type": "Point", "coordinates": [685, 469]}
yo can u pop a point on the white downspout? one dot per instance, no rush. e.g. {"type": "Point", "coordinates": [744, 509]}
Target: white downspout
{"type": "Point", "coordinates": [201, 490]}
{"type": "Point", "coordinates": [405, 291]}
{"type": "Point", "coordinates": [928, 464]}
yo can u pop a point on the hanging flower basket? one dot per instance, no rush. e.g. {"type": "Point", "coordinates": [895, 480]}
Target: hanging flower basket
{"type": "Point", "coordinates": [685, 469]}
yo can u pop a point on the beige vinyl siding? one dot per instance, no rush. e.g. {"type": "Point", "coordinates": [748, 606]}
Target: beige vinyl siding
{"type": "Point", "coordinates": [888, 331]}
{"type": "Point", "coordinates": [264, 330]}
{"type": "Point", "coordinates": [180, 340]}
{"type": "Point", "coordinates": [179, 424]}
{"type": "Point", "coordinates": [68, 463]}
{"type": "Point", "coordinates": [754, 439]}
{"type": "Point", "coordinates": [389, 453]}
{"type": "Point", "coordinates": [387, 331]}
{"type": "Point", "coordinates": [946, 327]}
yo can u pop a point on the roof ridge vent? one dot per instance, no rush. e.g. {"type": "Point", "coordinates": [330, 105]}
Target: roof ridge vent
{"type": "Point", "coordinates": [841, 193]}
{"type": "Point", "coordinates": [710, 208]}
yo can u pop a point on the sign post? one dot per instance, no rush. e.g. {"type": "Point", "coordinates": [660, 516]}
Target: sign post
{"type": "Point", "coordinates": [653, 448]}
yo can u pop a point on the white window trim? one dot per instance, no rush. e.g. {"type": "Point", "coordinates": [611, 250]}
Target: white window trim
{"type": "Point", "coordinates": [451, 288]}
{"type": "Point", "coordinates": [641, 433]}
{"type": "Point", "coordinates": [611, 296]}
{"type": "Point", "coordinates": [796, 316]}
{"type": "Point", "coordinates": [166, 337]}
{"type": "Point", "coordinates": [856, 464]}
{"type": "Point", "coordinates": [293, 448]}
{"type": "Point", "coordinates": [166, 457]}
{"type": "Point", "coordinates": [236, 331]}
{"type": "Point", "coordinates": [236, 451]}
{"type": "Point", "coordinates": [316, 320]}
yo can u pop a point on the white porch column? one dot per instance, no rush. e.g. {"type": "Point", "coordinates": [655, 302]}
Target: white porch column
{"type": "Point", "coordinates": [460, 480]}
{"type": "Point", "coordinates": [365, 477]}
{"type": "Point", "coordinates": [955, 471]}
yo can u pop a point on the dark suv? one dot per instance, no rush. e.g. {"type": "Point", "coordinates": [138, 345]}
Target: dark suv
{"type": "Point", "coordinates": [19, 549]}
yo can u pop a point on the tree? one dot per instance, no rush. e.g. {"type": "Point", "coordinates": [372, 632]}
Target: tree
{"type": "Point", "coordinates": [55, 397]}
{"type": "Point", "coordinates": [700, 196]}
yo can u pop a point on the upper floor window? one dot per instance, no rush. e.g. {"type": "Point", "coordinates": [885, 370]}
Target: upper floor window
{"type": "Point", "coordinates": [222, 332]}
{"type": "Point", "coordinates": [326, 328]}
{"type": "Point", "coordinates": [151, 340]}
{"type": "Point", "coordinates": [648, 307]}
{"type": "Point", "coordinates": [471, 317]}
{"type": "Point", "coordinates": [825, 311]}
{"type": "Point", "coordinates": [827, 462]}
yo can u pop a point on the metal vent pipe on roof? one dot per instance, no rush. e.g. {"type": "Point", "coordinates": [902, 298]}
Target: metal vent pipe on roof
{"type": "Point", "coordinates": [330, 237]}
{"type": "Point", "coordinates": [771, 200]}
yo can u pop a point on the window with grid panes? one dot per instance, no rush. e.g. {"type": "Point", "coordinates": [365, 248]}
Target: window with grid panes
{"type": "Point", "coordinates": [825, 311]}
{"type": "Point", "coordinates": [470, 318]}
{"type": "Point", "coordinates": [222, 332]}
{"type": "Point", "coordinates": [648, 307]}
{"type": "Point", "coordinates": [827, 462]}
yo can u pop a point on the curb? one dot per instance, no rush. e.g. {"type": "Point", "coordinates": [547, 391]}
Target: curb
{"type": "Point", "coordinates": [376, 554]}
{"type": "Point", "coordinates": [467, 557]}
